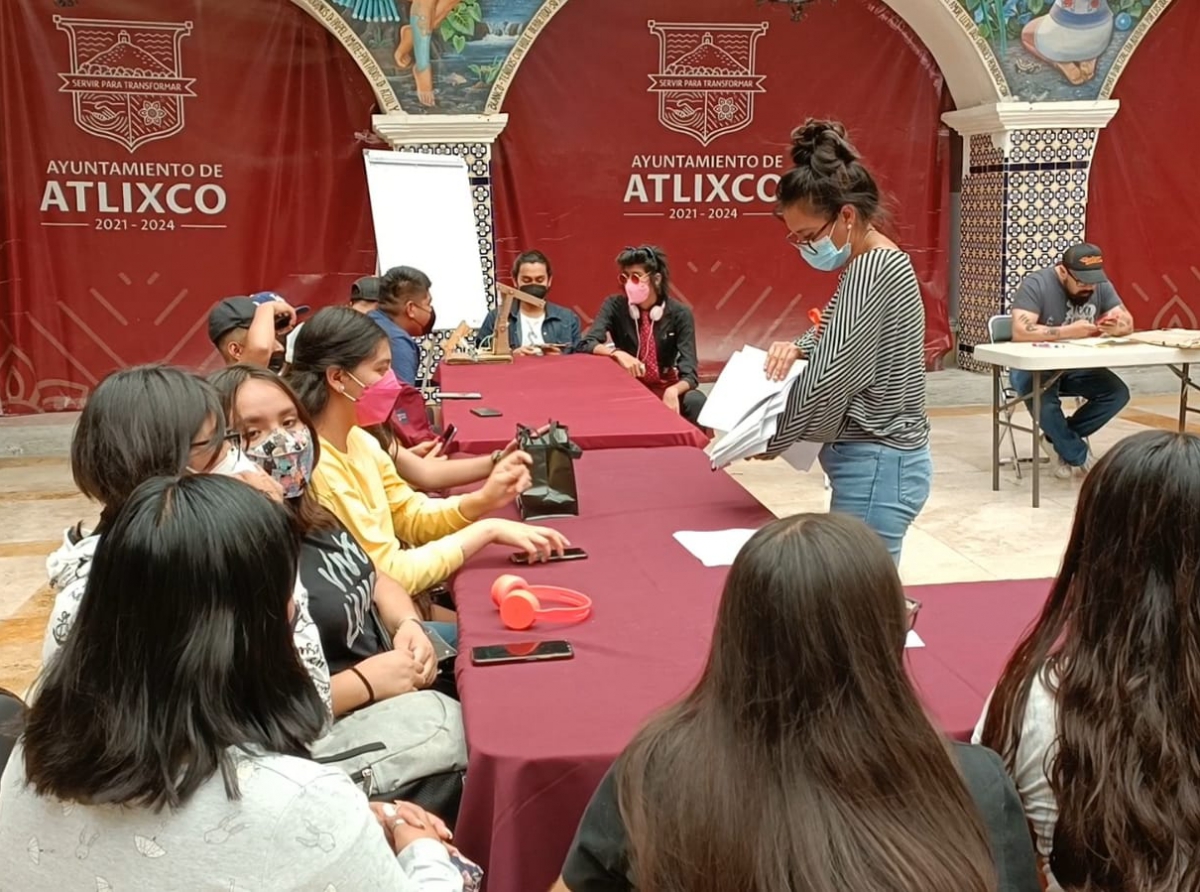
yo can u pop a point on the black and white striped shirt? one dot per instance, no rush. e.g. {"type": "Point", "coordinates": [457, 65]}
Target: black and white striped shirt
{"type": "Point", "coordinates": [865, 379]}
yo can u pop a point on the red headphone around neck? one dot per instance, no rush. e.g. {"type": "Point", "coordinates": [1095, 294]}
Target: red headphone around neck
{"type": "Point", "coordinates": [520, 604]}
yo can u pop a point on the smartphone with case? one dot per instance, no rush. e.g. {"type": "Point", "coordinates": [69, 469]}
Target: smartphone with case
{"type": "Point", "coordinates": [569, 554]}
{"type": "Point", "coordinates": [522, 652]}
{"type": "Point", "coordinates": [486, 413]}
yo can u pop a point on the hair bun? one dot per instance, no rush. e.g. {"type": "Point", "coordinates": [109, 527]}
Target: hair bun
{"type": "Point", "coordinates": [821, 144]}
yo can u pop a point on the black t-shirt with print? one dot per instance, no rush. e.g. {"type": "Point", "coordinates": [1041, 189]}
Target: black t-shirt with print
{"type": "Point", "coordinates": [340, 579]}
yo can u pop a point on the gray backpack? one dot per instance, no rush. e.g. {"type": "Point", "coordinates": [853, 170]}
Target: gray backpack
{"type": "Point", "coordinates": [412, 747]}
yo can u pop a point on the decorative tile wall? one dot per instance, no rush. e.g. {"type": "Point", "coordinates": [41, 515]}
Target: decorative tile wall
{"type": "Point", "coordinates": [1019, 213]}
{"type": "Point", "coordinates": [479, 164]}
{"type": "Point", "coordinates": [981, 232]}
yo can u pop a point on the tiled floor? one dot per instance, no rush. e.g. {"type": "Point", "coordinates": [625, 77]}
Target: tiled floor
{"type": "Point", "coordinates": [966, 532]}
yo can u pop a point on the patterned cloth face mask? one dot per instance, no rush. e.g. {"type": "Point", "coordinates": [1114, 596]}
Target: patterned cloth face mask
{"type": "Point", "coordinates": [287, 456]}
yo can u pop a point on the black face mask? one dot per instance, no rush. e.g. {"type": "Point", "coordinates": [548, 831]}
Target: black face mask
{"type": "Point", "coordinates": [538, 291]}
{"type": "Point", "coordinates": [427, 328]}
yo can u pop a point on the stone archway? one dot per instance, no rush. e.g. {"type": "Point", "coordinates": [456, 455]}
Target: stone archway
{"type": "Point", "coordinates": [1139, 33]}
{"type": "Point", "coordinates": [966, 60]}
{"type": "Point", "coordinates": [329, 18]}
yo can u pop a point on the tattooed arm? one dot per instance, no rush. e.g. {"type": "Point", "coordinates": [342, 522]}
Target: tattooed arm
{"type": "Point", "coordinates": [1027, 328]}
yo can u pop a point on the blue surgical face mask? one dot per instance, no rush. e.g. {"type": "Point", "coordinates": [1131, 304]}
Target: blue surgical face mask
{"type": "Point", "coordinates": [824, 255]}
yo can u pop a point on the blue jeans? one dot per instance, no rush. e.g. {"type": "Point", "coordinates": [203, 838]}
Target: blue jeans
{"type": "Point", "coordinates": [884, 487]}
{"type": "Point", "coordinates": [1105, 393]}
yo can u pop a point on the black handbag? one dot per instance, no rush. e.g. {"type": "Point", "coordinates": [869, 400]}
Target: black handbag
{"type": "Point", "coordinates": [553, 492]}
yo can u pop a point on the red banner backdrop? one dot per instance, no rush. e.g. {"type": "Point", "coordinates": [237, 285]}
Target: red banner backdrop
{"type": "Point", "coordinates": [1143, 181]}
{"type": "Point", "coordinates": [667, 122]}
{"type": "Point", "coordinates": [157, 157]}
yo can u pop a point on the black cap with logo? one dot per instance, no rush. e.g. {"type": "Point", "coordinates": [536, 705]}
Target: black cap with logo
{"type": "Point", "coordinates": [1085, 263]}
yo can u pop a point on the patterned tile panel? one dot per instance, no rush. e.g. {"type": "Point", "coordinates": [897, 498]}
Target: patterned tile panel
{"type": "Point", "coordinates": [1019, 213]}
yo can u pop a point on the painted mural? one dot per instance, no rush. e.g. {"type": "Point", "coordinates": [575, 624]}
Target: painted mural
{"type": "Point", "coordinates": [1056, 50]}
{"type": "Point", "coordinates": [440, 56]}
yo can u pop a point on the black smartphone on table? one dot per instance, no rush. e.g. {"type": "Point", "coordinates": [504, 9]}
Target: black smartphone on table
{"type": "Point", "coordinates": [569, 554]}
{"type": "Point", "coordinates": [521, 652]}
{"type": "Point", "coordinates": [486, 413]}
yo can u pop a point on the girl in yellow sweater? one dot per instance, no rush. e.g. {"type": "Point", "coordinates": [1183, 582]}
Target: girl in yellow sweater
{"type": "Point", "coordinates": [341, 370]}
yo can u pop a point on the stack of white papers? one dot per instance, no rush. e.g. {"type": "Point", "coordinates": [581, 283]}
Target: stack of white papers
{"type": "Point", "coordinates": [745, 406]}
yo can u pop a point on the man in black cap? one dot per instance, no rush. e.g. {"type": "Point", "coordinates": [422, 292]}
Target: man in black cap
{"type": "Point", "coordinates": [248, 329]}
{"type": "Point", "coordinates": [364, 297]}
{"type": "Point", "coordinates": [1073, 299]}
{"type": "Point", "coordinates": [364, 294]}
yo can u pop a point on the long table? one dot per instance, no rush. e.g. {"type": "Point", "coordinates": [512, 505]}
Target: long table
{"type": "Point", "coordinates": [541, 736]}
{"type": "Point", "coordinates": [1048, 361]}
{"type": "Point", "coordinates": [602, 405]}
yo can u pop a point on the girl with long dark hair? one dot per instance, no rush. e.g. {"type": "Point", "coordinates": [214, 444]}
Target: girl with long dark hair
{"type": "Point", "coordinates": [166, 746]}
{"type": "Point", "coordinates": [802, 760]}
{"type": "Point", "coordinates": [341, 372]}
{"type": "Point", "coordinates": [1097, 713]}
{"type": "Point", "coordinates": [142, 422]}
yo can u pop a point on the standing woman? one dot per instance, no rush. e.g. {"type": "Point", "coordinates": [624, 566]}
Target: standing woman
{"type": "Point", "coordinates": [863, 393]}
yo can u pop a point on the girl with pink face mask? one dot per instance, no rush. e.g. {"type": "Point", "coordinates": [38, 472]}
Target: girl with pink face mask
{"type": "Point", "coordinates": [651, 336]}
{"type": "Point", "coordinates": [342, 373]}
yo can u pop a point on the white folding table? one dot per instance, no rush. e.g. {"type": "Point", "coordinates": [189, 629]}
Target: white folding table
{"type": "Point", "coordinates": [1047, 362]}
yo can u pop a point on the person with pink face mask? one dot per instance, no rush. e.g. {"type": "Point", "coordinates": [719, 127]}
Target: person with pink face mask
{"type": "Point", "coordinates": [342, 373]}
{"type": "Point", "coordinates": [649, 335]}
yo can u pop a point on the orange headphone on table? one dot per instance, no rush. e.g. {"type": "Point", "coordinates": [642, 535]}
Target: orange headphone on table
{"type": "Point", "coordinates": [520, 604]}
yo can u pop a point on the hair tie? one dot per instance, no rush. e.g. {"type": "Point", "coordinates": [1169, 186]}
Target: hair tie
{"type": "Point", "coordinates": [366, 684]}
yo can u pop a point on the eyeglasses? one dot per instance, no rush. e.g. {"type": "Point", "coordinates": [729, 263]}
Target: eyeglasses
{"type": "Point", "coordinates": [635, 278]}
{"type": "Point", "coordinates": [231, 440]}
{"type": "Point", "coordinates": [911, 609]}
{"type": "Point", "coordinates": [793, 238]}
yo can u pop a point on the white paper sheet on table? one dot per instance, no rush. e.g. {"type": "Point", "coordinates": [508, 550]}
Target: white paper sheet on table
{"type": "Point", "coordinates": [714, 548]}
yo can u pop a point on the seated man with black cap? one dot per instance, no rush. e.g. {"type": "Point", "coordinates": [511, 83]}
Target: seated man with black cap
{"type": "Point", "coordinates": [364, 297]}
{"type": "Point", "coordinates": [535, 331]}
{"type": "Point", "coordinates": [1073, 299]}
{"type": "Point", "coordinates": [248, 329]}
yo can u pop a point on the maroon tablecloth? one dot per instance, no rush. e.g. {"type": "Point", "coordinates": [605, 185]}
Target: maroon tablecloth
{"type": "Point", "coordinates": [542, 735]}
{"type": "Point", "coordinates": [969, 629]}
{"type": "Point", "coordinates": [601, 404]}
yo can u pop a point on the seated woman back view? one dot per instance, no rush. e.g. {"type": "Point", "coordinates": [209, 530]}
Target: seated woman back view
{"type": "Point", "coordinates": [167, 744]}
{"type": "Point", "coordinates": [1098, 711]}
{"type": "Point", "coordinates": [802, 760]}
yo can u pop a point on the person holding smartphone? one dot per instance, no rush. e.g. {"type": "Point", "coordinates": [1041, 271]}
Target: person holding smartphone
{"type": "Point", "coordinates": [342, 374]}
{"type": "Point", "coordinates": [1072, 299]}
{"type": "Point", "coordinates": [253, 329]}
